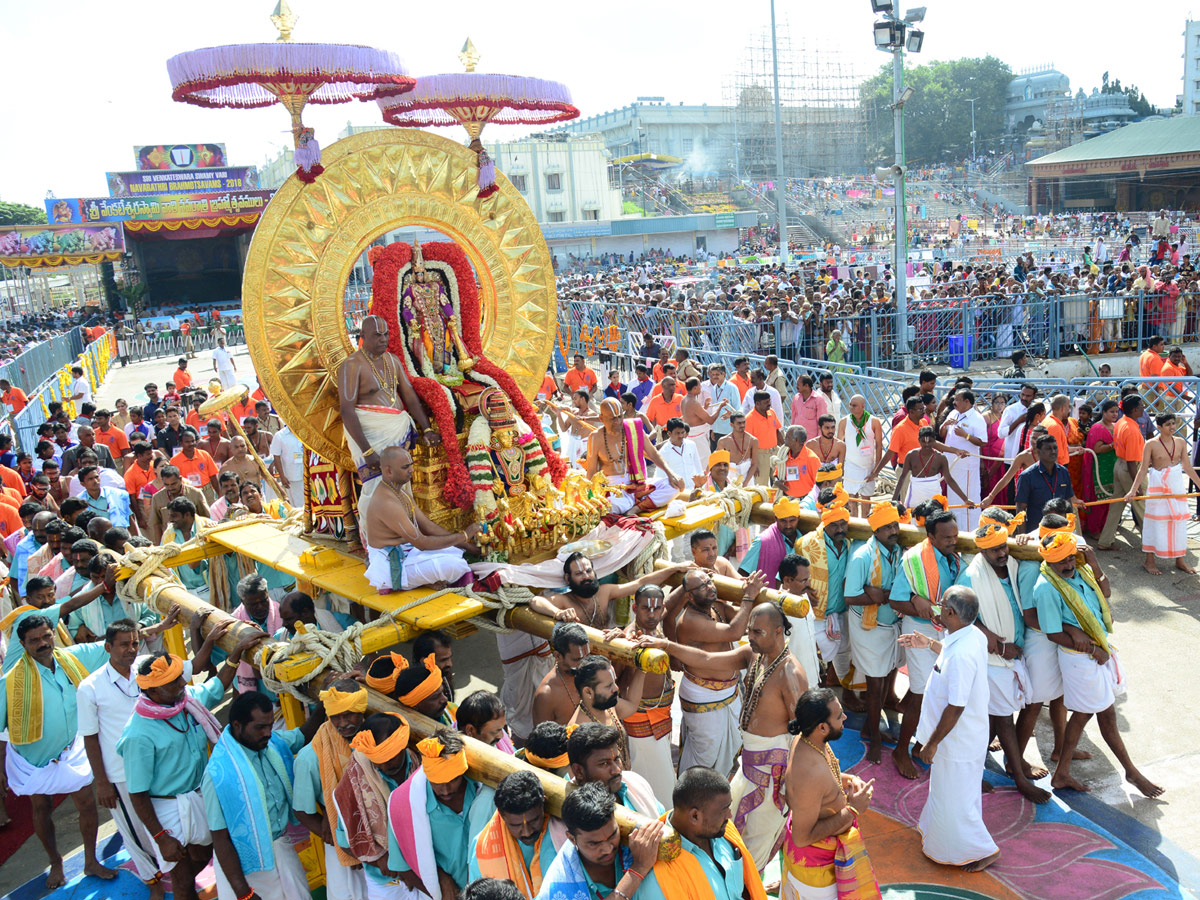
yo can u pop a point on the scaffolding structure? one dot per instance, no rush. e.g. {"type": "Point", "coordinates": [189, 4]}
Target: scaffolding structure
{"type": "Point", "coordinates": [824, 129]}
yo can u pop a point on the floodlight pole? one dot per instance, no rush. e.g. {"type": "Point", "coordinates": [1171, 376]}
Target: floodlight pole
{"type": "Point", "coordinates": [900, 260]}
{"type": "Point", "coordinates": [780, 179]}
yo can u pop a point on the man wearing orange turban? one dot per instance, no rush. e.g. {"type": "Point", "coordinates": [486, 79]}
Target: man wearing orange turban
{"type": "Point", "coordinates": [436, 815]}
{"type": "Point", "coordinates": [872, 624]}
{"type": "Point", "coordinates": [773, 543]}
{"type": "Point", "coordinates": [1073, 611]}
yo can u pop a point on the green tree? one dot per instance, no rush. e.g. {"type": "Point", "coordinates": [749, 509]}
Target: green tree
{"type": "Point", "coordinates": [937, 119]}
{"type": "Point", "coordinates": [1137, 100]}
{"type": "Point", "coordinates": [20, 214]}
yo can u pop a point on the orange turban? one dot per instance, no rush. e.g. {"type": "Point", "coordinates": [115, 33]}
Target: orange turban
{"type": "Point", "coordinates": [393, 746]}
{"type": "Point", "coordinates": [386, 683]}
{"type": "Point", "coordinates": [717, 456]}
{"type": "Point", "coordinates": [786, 507]}
{"type": "Point", "coordinates": [991, 535]}
{"type": "Point", "coordinates": [883, 514]}
{"type": "Point", "coordinates": [1058, 547]}
{"type": "Point", "coordinates": [836, 510]}
{"type": "Point", "coordinates": [427, 687]}
{"type": "Point", "coordinates": [555, 762]}
{"type": "Point", "coordinates": [1069, 528]}
{"type": "Point", "coordinates": [1012, 525]}
{"type": "Point", "coordinates": [940, 500]}
{"type": "Point", "coordinates": [441, 769]}
{"type": "Point", "coordinates": [337, 702]}
{"type": "Point", "coordinates": [163, 670]}
{"type": "Point", "coordinates": [829, 474]}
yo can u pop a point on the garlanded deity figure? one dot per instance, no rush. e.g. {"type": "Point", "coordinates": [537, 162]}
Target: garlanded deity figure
{"type": "Point", "coordinates": [502, 462]}
{"type": "Point", "coordinates": [428, 315]}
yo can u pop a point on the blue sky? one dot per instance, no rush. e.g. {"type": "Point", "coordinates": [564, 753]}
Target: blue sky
{"type": "Point", "coordinates": [85, 81]}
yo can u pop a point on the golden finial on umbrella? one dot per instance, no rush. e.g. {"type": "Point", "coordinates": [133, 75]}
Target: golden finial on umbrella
{"type": "Point", "coordinates": [284, 20]}
{"type": "Point", "coordinates": [469, 56]}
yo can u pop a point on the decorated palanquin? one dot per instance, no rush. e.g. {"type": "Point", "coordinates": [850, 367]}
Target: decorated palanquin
{"type": "Point", "coordinates": [494, 464]}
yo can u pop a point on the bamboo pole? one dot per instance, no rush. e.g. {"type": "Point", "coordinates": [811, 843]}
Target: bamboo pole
{"type": "Point", "coordinates": [485, 763]}
{"type": "Point", "coordinates": [730, 590]}
{"type": "Point", "coordinates": [656, 662]}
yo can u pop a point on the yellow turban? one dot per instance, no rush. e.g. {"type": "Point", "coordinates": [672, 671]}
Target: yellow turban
{"type": "Point", "coordinates": [883, 514]}
{"type": "Point", "coordinates": [716, 457]}
{"type": "Point", "coordinates": [1069, 528]}
{"type": "Point", "coordinates": [829, 474]}
{"type": "Point", "coordinates": [1012, 525]}
{"type": "Point", "coordinates": [386, 683]}
{"type": "Point", "coordinates": [441, 769]}
{"type": "Point", "coordinates": [1058, 546]}
{"type": "Point", "coordinates": [163, 670]}
{"type": "Point", "coordinates": [393, 745]}
{"type": "Point", "coordinates": [555, 762]}
{"type": "Point", "coordinates": [338, 702]}
{"type": "Point", "coordinates": [940, 500]}
{"type": "Point", "coordinates": [836, 510]}
{"type": "Point", "coordinates": [991, 535]}
{"type": "Point", "coordinates": [427, 687]}
{"type": "Point", "coordinates": [786, 507]}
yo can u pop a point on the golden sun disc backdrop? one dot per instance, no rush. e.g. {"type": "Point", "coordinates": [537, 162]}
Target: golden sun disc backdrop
{"type": "Point", "coordinates": [310, 236]}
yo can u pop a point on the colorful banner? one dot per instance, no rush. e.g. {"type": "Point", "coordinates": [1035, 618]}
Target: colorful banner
{"type": "Point", "coordinates": [182, 181]}
{"type": "Point", "coordinates": [166, 207]}
{"type": "Point", "coordinates": [57, 245]}
{"type": "Point", "coordinates": [180, 156]}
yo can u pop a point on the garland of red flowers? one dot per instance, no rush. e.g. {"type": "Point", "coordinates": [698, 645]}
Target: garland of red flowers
{"type": "Point", "coordinates": [388, 262]}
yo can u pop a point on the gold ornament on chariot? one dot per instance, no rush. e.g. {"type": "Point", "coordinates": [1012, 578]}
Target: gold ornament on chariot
{"type": "Point", "coordinates": [311, 235]}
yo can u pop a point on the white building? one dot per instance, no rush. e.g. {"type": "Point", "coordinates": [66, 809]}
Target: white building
{"type": "Point", "coordinates": [1191, 68]}
{"type": "Point", "coordinates": [563, 178]}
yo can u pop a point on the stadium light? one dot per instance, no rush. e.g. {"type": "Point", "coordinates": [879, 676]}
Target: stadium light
{"type": "Point", "coordinates": [882, 6]}
{"type": "Point", "coordinates": [915, 39]}
{"type": "Point", "coordinates": [885, 35]}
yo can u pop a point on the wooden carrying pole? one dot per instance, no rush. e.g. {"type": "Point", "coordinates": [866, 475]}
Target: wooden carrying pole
{"type": "Point", "coordinates": [730, 591]}
{"type": "Point", "coordinates": [485, 763]}
{"type": "Point", "coordinates": [655, 662]}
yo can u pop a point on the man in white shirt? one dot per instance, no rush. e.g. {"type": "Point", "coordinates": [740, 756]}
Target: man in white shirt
{"type": "Point", "coordinates": [681, 457]}
{"type": "Point", "coordinates": [712, 392]}
{"type": "Point", "coordinates": [758, 380]}
{"type": "Point", "coordinates": [287, 462]}
{"type": "Point", "coordinates": [965, 429]}
{"type": "Point", "coordinates": [953, 736]}
{"type": "Point", "coordinates": [1012, 422]}
{"type": "Point", "coordinates": [81, 391]}
{"type": "Point", "coordinates": [106, 700]}
{"type": "Point", "coordinates": [224, 365]}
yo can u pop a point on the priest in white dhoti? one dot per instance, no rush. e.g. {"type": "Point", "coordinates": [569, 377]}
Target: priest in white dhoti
{"type": "Point", "coordinates": [44, 755]}
{"type": "Point", "coordinates": [525, 659]}
{"type": "Point", "coordinates": [405, 549]}
{"type": "Point", "coordinates": [966, 430]}
{"type": "Point", "coordinates": [620, 449]}
{"type": "Point", "coordinates": [953, 734]}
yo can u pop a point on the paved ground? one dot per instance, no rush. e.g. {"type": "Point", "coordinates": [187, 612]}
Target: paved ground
{"type": "Point", "coordinates": [1157, 629]}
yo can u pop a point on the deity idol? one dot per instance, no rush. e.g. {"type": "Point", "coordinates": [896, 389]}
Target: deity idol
{"type": "Point", "coordinates": [428, 316]}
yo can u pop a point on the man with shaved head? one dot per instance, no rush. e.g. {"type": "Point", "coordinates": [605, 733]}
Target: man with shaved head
{"type": "Point", "coordinates": [609, 452]}
{"type": "Point", "coordinates": [406, 548]}
{"type": "Point", "coordinates": [378, 406]}
{"type": "Point", "coordinates": [863, 435]}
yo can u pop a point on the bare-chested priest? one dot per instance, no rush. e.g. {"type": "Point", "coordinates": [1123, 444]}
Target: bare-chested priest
{"type": "Point", "coordinates": [378, 405]}
{"type": "Point", "coordinates": [620, 450]}
{"type": "Point", "coordinates": [406, 549]}
{"type": "Point", "coordinates": [772, 687]}
{"type": "Point", "coordinates": [586, 600]}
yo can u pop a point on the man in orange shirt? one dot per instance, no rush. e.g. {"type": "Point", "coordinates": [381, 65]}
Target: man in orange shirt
{"type": "Point", "coordinates": [111, 437]}
{"type": "Point", "coordinates": [11, 478]}
{"type": "Point", "coordinates": [1151, 362]}
{"type": "Point", "coordinates": [138, 474]}
{"type": "Point", "coordinates": [1128, 443]}
{"type": "Point", "coordinates": [195, 466]}
{"type": "Point", "coordinates": [1056, 425]}
{"type": "Point", "coordinates": [579, 377]}
{"type": "Point", "coordinates": [14, 398]}
{"type": "Point", "coordinates": [1174, 395]}
{"type": "Point", "coordinates": [549, 387]}
{"type": "Point", "coordinates": [666, 405]}
{"type": "Point", "coordinates": [741, 375]}
{"type": "Point", "coordinates": [905, 435]}
{"type": "Point", "coordinates": [763, 424]}
{"type": "Point", "coordinates": [798, 472]}
{"type": "Point", "coordinates": [183, 378]}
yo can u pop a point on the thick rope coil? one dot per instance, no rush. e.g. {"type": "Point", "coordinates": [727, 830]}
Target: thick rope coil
{"type": "Point", "coordinates": [737, 504]}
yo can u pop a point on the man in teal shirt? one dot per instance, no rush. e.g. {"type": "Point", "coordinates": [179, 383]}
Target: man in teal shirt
{"type": "Point", "coordinates": [48, 756]}
{"type": "Point", "coordinates": [521, 812]}
{"type": "Point", "coordinates": [39, 601]}
{"type": "Point", "coordinates": [457, 807]}
{"type": "Point", "coordinates": [165, 750]}
{"type": "Point", "coordinates": [249, 765]}
{"type": "Point", "coordinates": [926, 570]}
{"type": "Point", "coordinates": [829, 542]}
{"type": "Point", "coordinates": [181, 516]}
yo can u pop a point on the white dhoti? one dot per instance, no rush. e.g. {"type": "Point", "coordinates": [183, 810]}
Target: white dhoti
{"type": "Point", "coordinates": [802, 644]}
{"type": "Point", "coordinates": [834, 651]}
{"type": "Point", "coordinates": [874, 650]}
{"type": "Point", "coordinates": [1164, 528]}
{"type": "Point", "coordinates": [795, 889]}
{"type": "Point", "coordinates": [1008, 688]}
{"type": "Point", "coordinates": [698, 435]}
{"type": "Point", "coordinates": [1089, 687]}
{"type": "Point", "coordinates": [1041, 659]}
{"type": "Point", "coordinates": [65, 775]}
{"type": "Point", "coordinates": [524, 660]}
{"type": "Point", "coordinates": [185, 818]}
{"type": "Point", "coordinates": [743, 469]}
{"type": "Point", "coordinates": [343, 882]}
{"type": "Point", "coordinates": [287, 881]}
{"type": "Point", "coordinates": [227, 377]}
{"type": "Point", "coordinates": [138, 843]}
{"type": "Point", "coordinates": [854, 479]}
{"type": "Point", "coordinates": [418, 568]}
{"type": "Point", "coordinates": [711, 734]}
{"type": "Point", "coordinates": [951, 825]}
{"type": "Point", "coordinates": [660, 495]}
{"type": "Point", "coordinates": [650, 757]}
{"type": "Point", "coordinates": [919, 662]}
{"type": "Point", "coordinates": [759, 804]}
{"type": "Point", "coordinates": [574, 448]}
{"type": "Point", "coordinates": [966, 472]}
{"type": "Point", "coordinates": [383, 428]}
{"type": "Point", "coordinates": [922, 489]}
{"type": "Point", "coordinates": [393, 890]}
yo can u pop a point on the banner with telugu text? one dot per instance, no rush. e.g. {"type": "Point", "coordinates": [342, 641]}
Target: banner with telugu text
{"type": "Point", "coordinates": [86, 210]}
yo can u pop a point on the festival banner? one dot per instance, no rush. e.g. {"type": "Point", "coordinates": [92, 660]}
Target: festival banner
{"type": "Point", "coordinates": [180, 156]}
{"type": "Point", "coordinates": [182, 181]}
{"type": "Point", "coordinates": [56, 245]}
{"type": "Point", "coordinates": [165, 207]}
